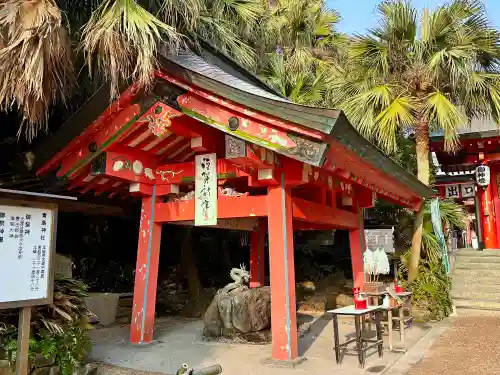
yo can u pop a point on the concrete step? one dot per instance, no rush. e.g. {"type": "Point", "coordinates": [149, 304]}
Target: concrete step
{"type": "Point", "coordinates": [478, 266]}
{"type": "Point", "coordinates": [476, 304]}
{"type": "Point", "coordinates": [475, 253]}
{"type": "Point", "coordinates": [476, 273]}
{"type": "Point", "coordinates": [466, 259]}
{"type": "Point", "coordinates": [464, 293]}
{"type": "Point", "coordinates": [485, 284]}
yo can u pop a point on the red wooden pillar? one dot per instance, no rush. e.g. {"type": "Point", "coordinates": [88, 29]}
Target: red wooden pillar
{"type": "Point", "coordinates": [357, 244]}
{"type": "Point", "coordinates": [257, 255]}
{"type": "Point", "coordinates": [282, 273]}
{"type": "Point", "coordinates": [488, 217]}
{"type": "Point", "coordinates": [146, 274]}
{"type": "Point", "coordinates": [494, 183]}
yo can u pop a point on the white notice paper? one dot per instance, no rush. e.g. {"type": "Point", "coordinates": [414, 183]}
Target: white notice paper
{"type": "Point", "coordinates": [25, 239]}
{"type": "Point", "coordinates": [205, 193]}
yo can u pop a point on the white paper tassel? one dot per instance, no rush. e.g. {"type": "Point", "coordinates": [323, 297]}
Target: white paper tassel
{"type": "Point", "coordinates": [383, 266]}
{"type": "Point", "coordinates": [368, 261]}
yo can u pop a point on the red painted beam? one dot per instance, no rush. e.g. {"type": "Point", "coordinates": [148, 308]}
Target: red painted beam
{"type": "Point", "coordinates": [232, 106]}
{"type": "Point", "coordinates": [227, 208]}
{"type": "Point", "coordinates": [114, 109]}
{"type": "Point", "coordinates": [130, 164]}
{"type": "Point", "coordinates": [185, 172]}
{"type": "Point", "coordinates": [351, 166]}
{"type": "Point", "coordinates": [322, 214]}
{"type": "Point", "coordinates": [100, 142]}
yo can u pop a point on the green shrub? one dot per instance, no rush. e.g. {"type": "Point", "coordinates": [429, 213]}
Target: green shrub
{"type": "Point", "coordinates": [59, 331]}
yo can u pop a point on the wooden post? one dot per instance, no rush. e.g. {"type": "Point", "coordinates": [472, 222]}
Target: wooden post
{"type": "Point", "coordinates": [146, 274]}
{"type": "Point", "coordinates": [495, 200]}
{"type": "Point", "coordinates": [282, 273]}
{"type": "Point", "coordinates": [23, 341]}
{"type": "Point", "coordinates": [488, 217]}
{"type": "Point", "coordinates": [257, 255]}
{"type": "Point", "coordinates": [357, 244]}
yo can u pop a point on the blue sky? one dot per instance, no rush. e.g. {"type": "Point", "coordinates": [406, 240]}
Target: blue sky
{"type": "Point", "coordinates": [358, 15]}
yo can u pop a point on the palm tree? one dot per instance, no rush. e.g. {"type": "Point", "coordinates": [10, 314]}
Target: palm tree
{"type": "Point", "coordinates": [307, 85]}
{"type": "Point", "coordinates": [299, 49]}
{"type": "Point", "coordinates": [302, 30]}
{"type": "Point", "coordinates": [433, 75]}
{"type": "Point", "coordinates": [119, 40]}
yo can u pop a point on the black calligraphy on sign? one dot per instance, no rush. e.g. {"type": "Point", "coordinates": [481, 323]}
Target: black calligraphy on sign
{"type": "Point", "coordinates": [452, 191]}
{"type": "Point", "coordinates": [467, 190]}
{"type": "Point", "coordinates": [20, 236]}
{"type": "Point", "coordinates": [205, 192]}
{"type": "Point", "coordinates": [2, 226]}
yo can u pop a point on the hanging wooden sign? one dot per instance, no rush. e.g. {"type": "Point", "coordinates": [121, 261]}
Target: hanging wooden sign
{"type": "Point", "coordinates": [205, 190]}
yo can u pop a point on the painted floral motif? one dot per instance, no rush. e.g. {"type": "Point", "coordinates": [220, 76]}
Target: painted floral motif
{"type": "Point", "coordinates": [158, 126]}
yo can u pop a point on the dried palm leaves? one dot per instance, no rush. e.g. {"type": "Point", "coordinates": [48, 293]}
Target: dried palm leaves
{"type": "Point", "coordinates": [123, 38]}
{"type": "Point", "coordinates": [35, 60]}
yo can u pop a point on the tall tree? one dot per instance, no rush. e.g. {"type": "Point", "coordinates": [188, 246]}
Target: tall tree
{"type": "Point", "coordinates": [299, 49]}
{"type": "Point", "coordinates": [435, 74]}
{"type": "Point", "coordinates": [119, 39]}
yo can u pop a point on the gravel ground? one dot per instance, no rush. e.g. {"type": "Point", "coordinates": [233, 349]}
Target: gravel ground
{"type": "Point", "coordinates": [469, 346]}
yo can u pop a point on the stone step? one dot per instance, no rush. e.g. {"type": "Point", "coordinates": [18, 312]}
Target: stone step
{"type": "Point", "coordinates": [485, 253]}
{"type": "Point", "coordinates": [478, 266]}
{"type": "Point", "coordinates": [477, 285]}
{"type": "Point", "coordinates": [476, 273]}
{"type": "Point", "coordinates": [476, 304]}
{"type": "Point", "coordinates": [469, 294]}
{"type": "Point", "coordinates": [475, 259]}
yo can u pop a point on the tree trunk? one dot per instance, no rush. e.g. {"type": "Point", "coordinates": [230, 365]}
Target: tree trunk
{"type": "Point", "coordinates": [189, 266]}
{"type": "Point", "coordinates": [422, 143]}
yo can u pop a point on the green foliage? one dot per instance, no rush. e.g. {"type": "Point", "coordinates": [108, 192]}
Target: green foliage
{"type": "Point", "coordinates": [58, 331]}
{"type": "Point", "coordinates": [434, 74]}
{"type": "Point", "coordinates": [431, 289]}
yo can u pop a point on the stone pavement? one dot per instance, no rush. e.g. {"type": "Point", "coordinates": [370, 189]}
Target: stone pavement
{"type": "Point", "coordinates": [179, 341]}
{"type": "Point", "coordinates": [469, 346]}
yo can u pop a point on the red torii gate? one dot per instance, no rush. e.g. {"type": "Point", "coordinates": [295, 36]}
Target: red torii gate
{"type": "Point", "coordinates": [315, 172]}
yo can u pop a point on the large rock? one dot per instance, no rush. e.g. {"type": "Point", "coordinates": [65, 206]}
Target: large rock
{"type": "Point", "coordinates": [238, 312]}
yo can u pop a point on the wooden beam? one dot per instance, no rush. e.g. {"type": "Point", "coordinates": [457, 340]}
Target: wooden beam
{"type": "Point", "coordinates": [182, 173]}
{"type": "Point", "coordinates": [128, 164]}
{"type": "Point", "coordinates": [322, 214]}
{"type": "Point", "coordinates": [227, 208]}
{"type": "Point", "coordinates": [90, 148]}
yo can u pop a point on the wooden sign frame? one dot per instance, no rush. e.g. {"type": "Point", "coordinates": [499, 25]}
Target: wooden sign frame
{"type": "Point", "coordinates": [51, 250]}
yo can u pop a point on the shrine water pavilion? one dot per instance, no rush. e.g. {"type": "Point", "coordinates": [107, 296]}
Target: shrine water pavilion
{"type": "Point", "coordinates": [210, 144]}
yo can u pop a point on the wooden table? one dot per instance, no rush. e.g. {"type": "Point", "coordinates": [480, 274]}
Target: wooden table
{"type": "Point", "coordinates": [407, 305]}
{"type": "Point", "coordinates": [361, 348]}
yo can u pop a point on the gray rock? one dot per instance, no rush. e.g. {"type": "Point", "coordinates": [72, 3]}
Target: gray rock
{"type": "Point", "coordinates": [238, 312]}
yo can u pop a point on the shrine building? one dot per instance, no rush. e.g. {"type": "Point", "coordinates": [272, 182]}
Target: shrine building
{"type": "Point", "coordinates": [472, 176]}
{"type": "Point", "coordinates": [212, 145]}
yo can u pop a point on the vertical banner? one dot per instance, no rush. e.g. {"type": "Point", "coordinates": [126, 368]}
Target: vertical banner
{"type": "Point", "coordinates": [205, 193]}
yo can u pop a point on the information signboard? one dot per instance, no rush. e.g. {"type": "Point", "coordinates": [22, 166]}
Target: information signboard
{"type": "Point", "coordinates": [27, 246]}
{"type": "Point", "coordinates": [380, 238]}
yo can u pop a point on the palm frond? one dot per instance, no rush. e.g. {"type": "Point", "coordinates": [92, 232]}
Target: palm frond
{"type": "Point", "coordinates": [35, 61]}
{"type": "Point", "coordinates": [440, 110]}
{"type": "Point", "coordinates": [122, 38]}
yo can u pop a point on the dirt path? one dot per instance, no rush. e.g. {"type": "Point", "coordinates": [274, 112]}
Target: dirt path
{"type": "Point", "coordinates": [470, 346]}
